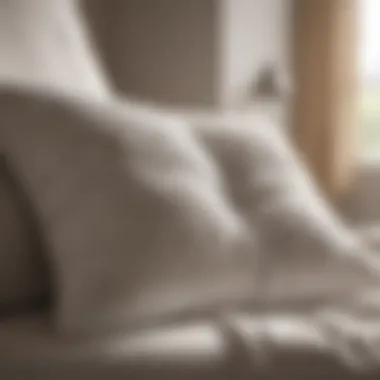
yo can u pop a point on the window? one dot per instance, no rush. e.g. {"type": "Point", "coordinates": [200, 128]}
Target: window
{"type": "Point", "coordinates": [325, 98]}
{"type": "Point", "coordinates": [369, 53]}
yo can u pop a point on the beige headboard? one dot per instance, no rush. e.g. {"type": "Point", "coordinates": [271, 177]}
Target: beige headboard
{"type": "Point", "coordinates": [46, 42]}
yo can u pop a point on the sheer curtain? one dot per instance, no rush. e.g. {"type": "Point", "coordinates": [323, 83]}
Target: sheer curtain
{"type": "Point", "coordinates": [326, 88]}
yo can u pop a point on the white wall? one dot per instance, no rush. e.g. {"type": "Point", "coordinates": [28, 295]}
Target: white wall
{"type": "Point", "coordinates": [255, 33]}
{"type": "Point", "coordinates": [199, 53]}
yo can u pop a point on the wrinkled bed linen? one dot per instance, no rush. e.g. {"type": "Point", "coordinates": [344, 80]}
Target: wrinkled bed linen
{"type": "Point", "coordinates": [327, 343]}
{"type": "Point", "coordinates": [320, 344]}
{"type": "Point", "coordinates": [306, 251]}
{"type": "Point", "coordinates": [311, 344]}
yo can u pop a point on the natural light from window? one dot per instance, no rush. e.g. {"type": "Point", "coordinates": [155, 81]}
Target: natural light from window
{"type": "Point", "coordinates": [370, 77]}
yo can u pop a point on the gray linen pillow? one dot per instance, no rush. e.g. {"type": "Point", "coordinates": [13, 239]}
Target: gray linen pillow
{"type": "Point", "coordinates": [133, 211]}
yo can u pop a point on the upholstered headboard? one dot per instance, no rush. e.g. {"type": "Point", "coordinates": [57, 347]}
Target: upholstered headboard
{"type": "Point", "coordinates": [46, 42]}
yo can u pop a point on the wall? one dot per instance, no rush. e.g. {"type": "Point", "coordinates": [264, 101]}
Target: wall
{"type": "Point", "coordinates": [162, 50]}
{"type": "Point", "coordinates": [255, 33]}
{"type": "Point", "coordinates": [201, 53]}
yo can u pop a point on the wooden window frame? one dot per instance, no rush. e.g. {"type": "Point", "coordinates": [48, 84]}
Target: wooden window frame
{"type": "Point", "coordinates": [325, 34]}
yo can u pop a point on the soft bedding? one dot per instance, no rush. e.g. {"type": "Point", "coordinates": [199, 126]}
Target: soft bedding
{"type": "Point", "coordinates": [146, 216]}
{"type": "Point", "coordinates": [133, 213]}
{"type": "Point", "coordinates": [22, 268]}
{"type": "Point", "coordinates": [318, 312]}
{"type": "Point", "coordinates": [324, 344]}
{"type": "Point", "coordinates": [307, 255]}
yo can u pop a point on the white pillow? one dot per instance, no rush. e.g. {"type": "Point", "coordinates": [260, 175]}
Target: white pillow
{"type": "Point", "coordinates": [134, 215]}
{"type": "Point", "coordinates": [306, 252]}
